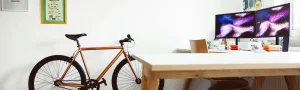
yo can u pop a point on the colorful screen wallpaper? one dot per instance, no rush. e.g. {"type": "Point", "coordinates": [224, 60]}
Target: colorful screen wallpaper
{"type": "Point", "coordinates": [235, 25]}
{"type": "Point", "coordinates": [273, 21]}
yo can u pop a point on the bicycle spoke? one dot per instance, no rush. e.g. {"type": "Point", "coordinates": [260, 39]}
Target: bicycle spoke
{"type": "Point", "coordinates": [52, 88]}
{"type": "Point", "coordinates": [54, 68]}
{"type": "Point", "coordinates": [61, 67]}
{"type": "Point", "coordinates": [137, 69]}
{"type": "Point", "coordinates": [125, 78]}
{"type": "Point", "coordinates": [140, 69]}
{"type": "Point", "coordinates": [49, 73]}
{"type": "Point", "coordinates": [132, 86]}
{"type": "Point", "coordinates": [124, 85]}
{"type": "Point", "coordinates": [42, 83]}
{"type": "Point", "coordinates": [128, 68]}
{"type": "Point", "coordinates": [46, 76]}
{"type": "Point", "coordinates": [129, 86]}
{"type": "Point", "coordinates": [43, 86]}
{"type": "Point", "coordinates": [136, 87]}
{"type": "Point", "coordinates": [70, 71]}
{"type": "Point", "coordinates": [134, 67]}
{"type": "Point", "coordinates": [127, 75]}
{"type": "Point", "coordinates": [42, 79]}
{"type": "Point", "coordinates": [57, 73]}
{"type": "Point", "coordinates": [70, 74]}
{"type": "Point", "coordinates": [46, 72]}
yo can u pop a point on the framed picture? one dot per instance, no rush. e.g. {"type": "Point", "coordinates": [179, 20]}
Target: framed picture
{"type": "Point", "coordinates": [252, 5]}
{"type": "Point", "coordinates": [54, 11]}
{"type": "Point", "coordinates": [14, 5]}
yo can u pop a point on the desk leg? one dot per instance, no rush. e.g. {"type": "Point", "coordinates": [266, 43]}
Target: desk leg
{"type": "Point", "coordinates": [153, 81]}
{"type": "Point", "coordinates": [291, 82]}
{"type": "Point", "coordinates": [144, 79]}
{"type": "Point", "coordinates": [150, 80]}
{"type": "Point", "coordinates": [258, 83]}
{"type": "Point", "coordinates": [187, 84]}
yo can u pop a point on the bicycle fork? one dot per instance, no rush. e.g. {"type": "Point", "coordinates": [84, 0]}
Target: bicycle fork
{"type": "Point", "coordinates": [128, 60]}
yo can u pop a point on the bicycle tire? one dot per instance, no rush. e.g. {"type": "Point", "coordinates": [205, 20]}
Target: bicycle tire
{"type": "Point", "coordinates": [46, 60]}
{"type": "Point", "coordinates": [120, 66]}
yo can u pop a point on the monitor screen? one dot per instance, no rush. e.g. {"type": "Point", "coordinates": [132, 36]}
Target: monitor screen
{"type": "Point", "coordinates": [235, 25]}
{"type": "Point", "coordinates": [273, 21]}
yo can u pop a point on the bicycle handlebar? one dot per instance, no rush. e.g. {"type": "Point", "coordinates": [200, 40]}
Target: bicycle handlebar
{"type": "Point", "coordinates": [128, 39]}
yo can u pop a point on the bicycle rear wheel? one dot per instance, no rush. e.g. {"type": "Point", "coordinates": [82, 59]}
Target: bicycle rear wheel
{"type": "Point", "coordinates": [50, 69]}
{"type": "Point", "coordinates": [124, 79]}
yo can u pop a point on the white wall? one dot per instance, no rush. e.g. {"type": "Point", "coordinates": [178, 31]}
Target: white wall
{"type": "Point", "coordinates": [231, 6]}
{"type": "Point", "coordinates": [158, 26]}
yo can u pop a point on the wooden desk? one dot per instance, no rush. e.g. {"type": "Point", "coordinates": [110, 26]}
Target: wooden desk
{"type": "Point", "coordinates": [212, 65]}
{"type": "Point", "coordinates": [212, 51]}
{"type": "Point", "coordinates": [189, 81]}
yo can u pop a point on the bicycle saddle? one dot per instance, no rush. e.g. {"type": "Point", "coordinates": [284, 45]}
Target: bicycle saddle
{"type": "Point", "coordinates": [75, 36]}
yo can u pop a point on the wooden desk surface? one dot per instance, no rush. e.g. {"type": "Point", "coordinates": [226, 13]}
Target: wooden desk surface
{"type": "Point", "coordinates": [211, 51]}
{"type": "Point", "coordinates": [225, 61]}
{"type": "Point", "coordinates": [215, 65]}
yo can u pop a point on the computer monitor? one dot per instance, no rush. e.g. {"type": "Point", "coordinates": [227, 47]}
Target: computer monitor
{"type": "Point", "coordinates": [235, 25]}
{"type": "Point", "coordinates": [273, 21]}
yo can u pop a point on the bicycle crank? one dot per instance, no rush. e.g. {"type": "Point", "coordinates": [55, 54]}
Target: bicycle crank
{"type": "Point", "coordinates": [93, 84]}
{"type": "Point", "coordinates": [103, 81]}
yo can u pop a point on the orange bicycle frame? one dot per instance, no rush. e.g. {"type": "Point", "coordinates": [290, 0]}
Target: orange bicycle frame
{"type": "Point", "coordinates": [79, 51]}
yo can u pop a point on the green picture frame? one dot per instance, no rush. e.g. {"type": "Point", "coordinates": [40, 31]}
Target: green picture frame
{"type": "Point", "coordinates": [54, 11]}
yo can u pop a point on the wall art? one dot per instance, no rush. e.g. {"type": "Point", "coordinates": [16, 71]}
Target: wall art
{"type": "Point", "coordinates": [251, 5]}
{"type": "Point", "coordinates": [14, 5]}
{"type": "Point", "coordinates": [54, 11]}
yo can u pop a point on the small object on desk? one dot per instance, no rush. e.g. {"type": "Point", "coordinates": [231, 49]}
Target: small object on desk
{"type": "Point", "coordinates": [272, 47]}
{"type": "Point", "coordinates": [209, 44]}
{"type": "Point", "coordinates": [222, 47]}
{"type": "Point", "coordinates": [249, 45]}
{"type": "Point", "coordinates": [234, 47]}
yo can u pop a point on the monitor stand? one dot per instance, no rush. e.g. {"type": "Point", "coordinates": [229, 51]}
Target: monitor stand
{"type": "Point", "coordinates": [285, 43]}
{"type": "Point", "coordinates": [277, 41]}
{"type": "Point", "coordinates": [236, 41]}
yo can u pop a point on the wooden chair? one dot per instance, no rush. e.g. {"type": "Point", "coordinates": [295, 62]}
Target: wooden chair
{"type": "Point", "coordinates": [200, 46]}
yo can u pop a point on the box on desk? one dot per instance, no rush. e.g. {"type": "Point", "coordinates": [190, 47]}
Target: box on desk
{"type": "Point", "coordinates": [234, 47]}
{"type": "Point", "coordinates": [272, 47]}
{"type": "Point", "coordinates": [250, 46]}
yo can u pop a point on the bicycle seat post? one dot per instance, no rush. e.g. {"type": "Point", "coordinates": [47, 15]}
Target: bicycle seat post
{"type": "Point", "coordinates": [78, 44]}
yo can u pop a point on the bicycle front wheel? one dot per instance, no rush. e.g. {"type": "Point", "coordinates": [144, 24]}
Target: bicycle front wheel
{"type": "Point", "coordinates": [46, 72]}
{"type": "Point", "coordinates": [124, 79]}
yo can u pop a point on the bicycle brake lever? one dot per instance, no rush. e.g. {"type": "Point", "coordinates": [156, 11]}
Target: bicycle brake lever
{"type": "Point", "coordinates": [104, 81]}
{"type": "Point", "coordinates": [129, 37]}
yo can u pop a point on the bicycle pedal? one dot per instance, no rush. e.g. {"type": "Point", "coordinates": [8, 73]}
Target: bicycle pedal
{"type": "Point", "coordinates": [103, 81]}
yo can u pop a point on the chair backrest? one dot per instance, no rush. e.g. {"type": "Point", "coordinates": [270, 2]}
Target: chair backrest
{"type": "Point", "coordinates": [199, 46]}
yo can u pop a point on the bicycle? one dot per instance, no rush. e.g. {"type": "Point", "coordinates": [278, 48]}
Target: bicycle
{"type": "Point", "coordinates": [62, 80]}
